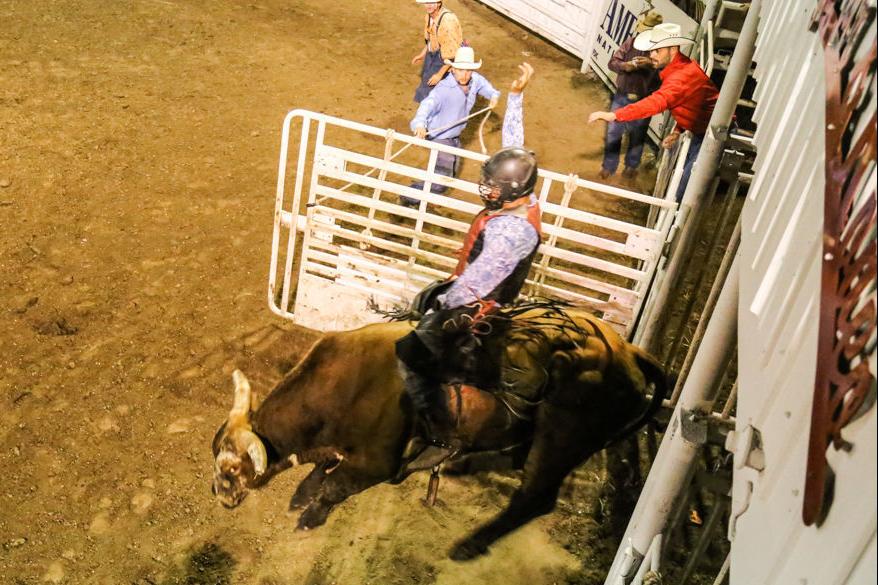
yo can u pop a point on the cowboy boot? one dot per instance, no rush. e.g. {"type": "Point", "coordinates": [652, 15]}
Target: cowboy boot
{"type": "Point", "coordinates": [437, 427]}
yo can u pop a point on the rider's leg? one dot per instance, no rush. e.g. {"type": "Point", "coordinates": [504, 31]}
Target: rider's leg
{"type": "Point", "coordinates": [419, 369]}
{"type": "Point", "coordinates": [429, 356]}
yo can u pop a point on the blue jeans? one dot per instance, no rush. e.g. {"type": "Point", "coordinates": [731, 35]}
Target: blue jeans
{"type": "Point", "coordinates": [446, 164]}
{"type": "Point", "coordinates": [694, 147]}
{"type": "Point", "coordinates": [636, 130]}
{"type": "Point", "coordinates": [432, 64]}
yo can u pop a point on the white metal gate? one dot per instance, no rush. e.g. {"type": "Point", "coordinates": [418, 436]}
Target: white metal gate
{"type": "Point", "coordinates": [350, 243]}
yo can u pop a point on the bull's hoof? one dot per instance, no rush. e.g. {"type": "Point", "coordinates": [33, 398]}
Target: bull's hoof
{"type": "Point", "coordinates": [312, 516]}
{"type": "Point", "coordinates": [467, 550]}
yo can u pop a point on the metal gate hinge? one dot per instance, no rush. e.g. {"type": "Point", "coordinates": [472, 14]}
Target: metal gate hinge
{"type": "Point", "coordinates": [747, 448]}
{"type": "Point", "coordinates": [749, 463]}
{"type": "Point", "coordinates": [693, 426]}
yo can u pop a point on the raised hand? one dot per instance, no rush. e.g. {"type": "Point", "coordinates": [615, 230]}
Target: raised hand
{"type": "Point", "coordinates": [526, 73]}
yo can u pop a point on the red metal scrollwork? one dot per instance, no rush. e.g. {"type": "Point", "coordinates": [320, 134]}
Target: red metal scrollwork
{"type": "Point", "coordinates": [847, 302]}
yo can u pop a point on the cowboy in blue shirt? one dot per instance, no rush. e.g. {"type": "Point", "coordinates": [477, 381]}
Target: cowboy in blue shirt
{"type": "Point", "coordinates": [450, 101]}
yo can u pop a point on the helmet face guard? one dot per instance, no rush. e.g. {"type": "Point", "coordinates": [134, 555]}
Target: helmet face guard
{"type": "Point", "coordinates": [490, 194]}
{"type": "Point", "coordinates": [509, 174]}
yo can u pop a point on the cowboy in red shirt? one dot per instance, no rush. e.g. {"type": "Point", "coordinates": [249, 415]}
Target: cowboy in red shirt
{"type": "Point", "coordinates": [686, 91]}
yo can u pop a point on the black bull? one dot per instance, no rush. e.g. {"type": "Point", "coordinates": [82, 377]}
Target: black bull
{"type": "Point", "coordinates": [344, 409]}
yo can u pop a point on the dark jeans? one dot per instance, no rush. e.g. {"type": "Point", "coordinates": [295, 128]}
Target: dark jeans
{"type": "Point", "coordinates": [446, 164]}
{"type": "Point", "coordinates": [636, 130]}
{"type": "Point", "coordinates": [433, 62]}
{"type": "Point", "coordinates": [443, 349]}
{"type": "Point", "coordinates": [694, 147]}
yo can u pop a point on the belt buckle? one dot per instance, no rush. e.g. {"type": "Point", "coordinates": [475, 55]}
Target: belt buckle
{"type": "Point", "coordinates": [633, 97]}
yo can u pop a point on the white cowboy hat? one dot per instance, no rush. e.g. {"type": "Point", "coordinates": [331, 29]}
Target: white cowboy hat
{"type": "Point", "coordinates": [663, 35]}
{"type": "Point", "coordinates": [465, 58]}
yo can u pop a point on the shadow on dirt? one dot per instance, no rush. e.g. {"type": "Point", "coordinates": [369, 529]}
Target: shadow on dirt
{"type": "Point", "coordinates": [209, 565]}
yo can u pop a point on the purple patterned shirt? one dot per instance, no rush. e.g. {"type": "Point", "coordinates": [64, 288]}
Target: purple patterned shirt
{"type": "Point", "coordinates": [507, 240]}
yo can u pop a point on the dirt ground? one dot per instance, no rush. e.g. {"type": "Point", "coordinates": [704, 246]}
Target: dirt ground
{"type": "Point", "coordinates": [137, 176]}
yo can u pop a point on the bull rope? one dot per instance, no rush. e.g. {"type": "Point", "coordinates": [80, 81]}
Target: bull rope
{"type": "Point", "coordinates": [481, 131]}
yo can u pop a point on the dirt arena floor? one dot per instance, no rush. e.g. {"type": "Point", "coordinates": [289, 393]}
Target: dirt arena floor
{"type": "Point", "coordinates": [137, 176]}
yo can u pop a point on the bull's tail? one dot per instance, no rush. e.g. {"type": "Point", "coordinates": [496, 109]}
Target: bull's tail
{"type": "Point", "coordinates": [654, 374]}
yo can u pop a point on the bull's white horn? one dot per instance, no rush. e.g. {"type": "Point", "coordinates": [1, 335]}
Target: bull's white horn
{"type": "Point", "coordinates": [242, 398]}
{"type": "Point", "coordinates": [257, 453]}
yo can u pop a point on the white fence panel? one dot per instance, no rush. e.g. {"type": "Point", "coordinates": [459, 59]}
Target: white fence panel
{"type": "Point", "coordinates": [781, 250]}
{"type": "Point", "coordinates": [564, 22]}
{"type": "Point", "coordinates": [346, 243]}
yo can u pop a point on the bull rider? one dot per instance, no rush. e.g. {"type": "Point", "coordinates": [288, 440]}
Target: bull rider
{"type": "Point", "coordinates": [492, 267]}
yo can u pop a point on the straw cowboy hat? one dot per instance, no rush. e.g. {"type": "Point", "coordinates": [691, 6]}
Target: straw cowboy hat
{"type": "Point", "coordinates": [648, 20]}
{"type": "Point", "coordinates": [661, 36]}
{"type": "Point", "coordinates": [464, 59]}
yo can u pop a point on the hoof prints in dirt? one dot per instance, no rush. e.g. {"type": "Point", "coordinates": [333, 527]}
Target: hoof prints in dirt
{"type": "Point", "coordinates": [394, 567]}
{"type": "Point", "coordinates": [59, 326]}
{"type": "Point", "coordinates": [385, 564]}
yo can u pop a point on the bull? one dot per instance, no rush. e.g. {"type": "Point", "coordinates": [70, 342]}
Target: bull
{"type": "Point", "coordinates": [343, 408]}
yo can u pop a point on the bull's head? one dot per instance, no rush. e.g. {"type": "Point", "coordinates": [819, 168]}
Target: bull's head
{"type": "Point", "coordinates": [240, 459]}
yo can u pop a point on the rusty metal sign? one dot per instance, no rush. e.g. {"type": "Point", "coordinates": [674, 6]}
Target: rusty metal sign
{"type": "Point", "coordinates": [847, 301]}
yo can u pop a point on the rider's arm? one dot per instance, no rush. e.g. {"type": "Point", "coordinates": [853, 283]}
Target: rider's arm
{"type": "Point", "coordinates": [507, 241]}
{"type": "Point", "coordinates": [513, 121]}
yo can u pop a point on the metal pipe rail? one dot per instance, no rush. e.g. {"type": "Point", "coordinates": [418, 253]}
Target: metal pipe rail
{"type": "Point", "coordinates": [686, 433]}
{"type": "Point", "coordinates": [707, 311]}
{"type": "Point", "coordinates": [651, 561]}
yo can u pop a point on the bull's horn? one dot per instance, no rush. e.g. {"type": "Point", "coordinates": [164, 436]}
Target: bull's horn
{"type": "Point", "coordinates": [257, 453]}
{"type": "Point", "coordinates": [241, 408]}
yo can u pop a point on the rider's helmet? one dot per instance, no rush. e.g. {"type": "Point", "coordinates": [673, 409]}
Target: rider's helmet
{"type": "Point", "coordinates": [509, 174]}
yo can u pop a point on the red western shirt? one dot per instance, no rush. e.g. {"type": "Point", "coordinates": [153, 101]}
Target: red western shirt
{"type": "Point", "coordinates": [685, 90]}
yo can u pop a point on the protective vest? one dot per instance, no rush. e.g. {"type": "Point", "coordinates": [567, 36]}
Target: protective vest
{"type": "Point", "coordinates": [508, 289]}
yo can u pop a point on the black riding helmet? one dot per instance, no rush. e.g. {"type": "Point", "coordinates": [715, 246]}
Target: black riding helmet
{"type": "Point", "coordinates": [513, 170]}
